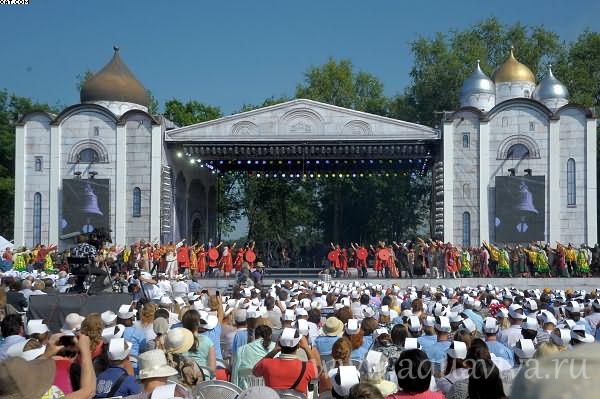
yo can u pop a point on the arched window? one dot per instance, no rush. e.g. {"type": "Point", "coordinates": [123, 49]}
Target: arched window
{"type": "Point", "coordinates": [88, 155]}
{"type": "Point", "coordinates": [466, 142]}
{"type": "Point", "coordinates": [571, 185]}
{"type": "Point", "coordinates": [137, 202]}
{"type": "Point", "coordinates": [517, 151]}
{"type": "Point", "coordinates": [38, 164]}
{"type": "Point", "coordinates": [37, 218]}
{"type": "Point", "coordinates": [466, 230]}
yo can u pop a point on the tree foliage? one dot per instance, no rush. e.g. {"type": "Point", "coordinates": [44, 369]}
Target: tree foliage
{"type": "Point", "coordinates": [442, 63]}
{"type": "Point", "coordinates": [191, 112]}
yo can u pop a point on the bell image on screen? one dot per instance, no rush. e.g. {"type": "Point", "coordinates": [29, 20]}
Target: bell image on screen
{"type": "Point", "coordinates": [85, 205]}
{"type": "Point", "coordinates": [520, 208]}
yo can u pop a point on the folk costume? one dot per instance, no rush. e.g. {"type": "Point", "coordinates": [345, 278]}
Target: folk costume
{"type": "Point", "coordinates": [583, 262]}
{"type": "Point", "coordinates": [201, 260]}
{"type": "Point", "coordinates": [465, 263]}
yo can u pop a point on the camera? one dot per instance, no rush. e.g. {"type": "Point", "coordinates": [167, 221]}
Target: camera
{"type": "Point", "coordinates": [66, 340]}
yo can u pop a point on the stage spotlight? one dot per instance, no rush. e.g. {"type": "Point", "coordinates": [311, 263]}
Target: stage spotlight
{"type": "Point", "coordinates": [512, 172]}
{"type": "Point", "coordinates": [528, 172]}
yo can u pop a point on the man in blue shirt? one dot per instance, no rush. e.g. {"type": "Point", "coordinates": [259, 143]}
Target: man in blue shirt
{"type": "Point", "coordinates": [115, 381]}
{"type": "Point", "coordinates": [437, 352]}
{"type": "Point", "coordinates": [490, 329]}
{"type": "Point", "coordinates": [132, 334]}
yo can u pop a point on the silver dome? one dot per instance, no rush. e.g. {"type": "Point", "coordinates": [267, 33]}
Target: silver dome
{"type": "Point", "coordinates": [550, 88]}
{"type": "Point", "coordinates": [477, 82]}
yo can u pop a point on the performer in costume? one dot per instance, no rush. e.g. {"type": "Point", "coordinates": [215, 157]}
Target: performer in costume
{"type": "Point", "coordinates": [378, 265]}
{"type": "Point", "coordinates": [171, 260]}
{"type": "Point", "coordinates": [201, 260]}
{"type": "Point", "coordinates": [226, 263]}
{"type": "Point", "coordinates": [183, 257]}
{"type": "Point", "coordinates": [451, 258]}
{"type": "Point", "coordinates": [521, 261]}
{"type": "Point", "coordinates": [334, 259]}
{"type": "Point", "coordinates": [239, 260]}
{"type": "Point", "coordinates": [494, 254]}
{"type": "Point", "coordinates": [571, 257]}
{"type": "Point", "coordinates": [193, 260]}
{"type": "Point", "coordinates": [484, 257]}
{"type": "Point", "coordinates": [393, 263]}
{"type": "Point", "coordinates": [583, 262]}
{"type": "Point", "coordinates": [344, 261]}
{"type": "Point", "coordinates": [465, 263]}
{"type": "Point", "coordinates": [213, 261]}
{"type": "Point", "coordinates": [248, 252]}
{"type": "Point", "coordinates": [561, 260]}
{"type": "Point", "coordinates": [504, 268]}
{"type": "Point", "coordinates": [360, 259]}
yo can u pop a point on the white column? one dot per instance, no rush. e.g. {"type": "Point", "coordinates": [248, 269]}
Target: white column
{"type": "Point", "coordinates": [553, 181]}
{"type": "Point", "coordinates": [591, 190]}
{"type": "Point", "coordinates": [120, 229]}
{"type": "Point", "coordinates": [484, 181]}
{"type": "Point", "coordinates": [155, 182]}
{"type": "Point", "coordinates": [20, 185]}
{"type": "Point", "coordinates": [55, 184]}
{"type": "Point", "coordinates": [448, 140]}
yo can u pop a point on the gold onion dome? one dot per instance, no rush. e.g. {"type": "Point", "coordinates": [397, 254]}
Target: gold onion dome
{"type": "Point", "coordinates": [114, 82]}
{"type": "Point", "coordinates": [512, 71]}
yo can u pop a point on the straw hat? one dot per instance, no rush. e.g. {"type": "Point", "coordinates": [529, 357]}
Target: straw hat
{"type": "Point", "coordinates": [20, 379]}
{"type": "Point", "coordinates": [179, 340]}
{"type": "Point", "coordinates": [153, 364]}
{"type": "Point", "coordinates": [333, 327]}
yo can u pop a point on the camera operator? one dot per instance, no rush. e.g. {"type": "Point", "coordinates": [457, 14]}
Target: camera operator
{"type": "Point", "coordinates": [144, 288]}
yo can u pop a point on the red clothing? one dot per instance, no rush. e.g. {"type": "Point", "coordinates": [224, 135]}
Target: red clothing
{"type": "Point", "coordinates": [423, 395]}
{"type": "Point", "coordinates": [183, 256]}
{"type": "Point", "coordinates": [281, 373]}
{"type": "Point", "coordinates": [62, 377]}
{"type": "Point", "coordinates": [201, 261]}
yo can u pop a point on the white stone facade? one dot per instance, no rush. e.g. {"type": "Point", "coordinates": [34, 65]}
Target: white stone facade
{"type": "Point", "coordinates": [126, 148]}
{"type": "Point", "coordinates": [552, 138]}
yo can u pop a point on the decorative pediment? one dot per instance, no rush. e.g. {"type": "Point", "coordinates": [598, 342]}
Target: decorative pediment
{"type": "Point", "coordinates": [298, 121]}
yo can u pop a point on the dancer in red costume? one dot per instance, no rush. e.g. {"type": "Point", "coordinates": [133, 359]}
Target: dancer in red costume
{"type": "Point", "coordinates": [183, 258]}
{"type": "Point", "coordinates": [227, 259]}
{"type": "Point", "coordinates": [201, 260]}
{"type": "Point", "coordinates": [334, 259]}
{"type": "Point", "coordinates": [344, 261]}
{"type": "Point", "coordinates": [239, 259]}
{"type": "Point", "coordinates": [250, 255]}
{"type": "Point", "coordinates": [360, 259]}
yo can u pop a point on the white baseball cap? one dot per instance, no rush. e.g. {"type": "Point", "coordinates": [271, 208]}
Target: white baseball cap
{"type": "Point", "coordinates": [118, 349]}
{"type": "Point", "coordinates": [457, 350]}
{"type": "Point", "coordinates": [290, 337]}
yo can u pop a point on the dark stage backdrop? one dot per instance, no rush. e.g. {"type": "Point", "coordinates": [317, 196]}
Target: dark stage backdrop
{"type": "Point", "coordinates": [54, 308]}
{"type": "Point", "coordinates": [520, 208]}
{"type": "Point", "coordinates": [85, 205]}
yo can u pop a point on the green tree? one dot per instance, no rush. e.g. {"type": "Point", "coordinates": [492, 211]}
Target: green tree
{"type": "Point", "coordinates": [267, 103]}
{"type": "Point", "coordinates": [191, 112]}
{"type": "Point", "coordinates": [442, 63]}
{"type": "Point", "coordinates": [336, 83]}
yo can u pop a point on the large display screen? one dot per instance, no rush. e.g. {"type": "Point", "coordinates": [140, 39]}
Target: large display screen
{"type": "Point", "coordinates": [520, 208]}
{"type": "Point", "coordinates": [85, 206]}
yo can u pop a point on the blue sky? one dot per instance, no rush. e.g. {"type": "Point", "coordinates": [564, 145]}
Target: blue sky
{"type": "Point", "coordinates": [231, 53]}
